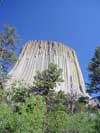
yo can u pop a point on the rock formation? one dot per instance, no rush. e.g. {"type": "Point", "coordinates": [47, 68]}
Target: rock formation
{"type": "Point", "coordinates": [36, 55]}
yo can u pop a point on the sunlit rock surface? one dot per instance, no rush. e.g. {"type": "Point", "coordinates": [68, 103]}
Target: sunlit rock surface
{"type": "Point", "coordinates": [36, 55]}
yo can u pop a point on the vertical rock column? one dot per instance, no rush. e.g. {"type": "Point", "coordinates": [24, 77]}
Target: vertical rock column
{"type": "Point", "coordinates": [36, 55]}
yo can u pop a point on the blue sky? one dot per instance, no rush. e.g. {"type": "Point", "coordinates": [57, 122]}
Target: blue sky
{"type": "Point", "coordinates": [73, 22]}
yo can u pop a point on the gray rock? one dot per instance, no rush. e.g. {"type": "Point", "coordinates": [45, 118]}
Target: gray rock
{"type": "Point", "coordinates": [36, 55]}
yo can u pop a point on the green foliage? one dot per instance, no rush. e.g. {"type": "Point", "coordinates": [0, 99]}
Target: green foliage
{"type": "Point", "coordinates": [94, 71]}
{"type": "Point", "coordinates": [18, 92]}
{"type": "Point", "coordinates": [44, 113]}
{"type": "Point", "coordinates": [7, 119]}
{"type": "Point", "coordinates": [56, 121]}
{"type": "Point", "coordinates": [56, 101]}
{"type": "Point", "coordinates": [66, 113]}
{"type": "Point", "coordinates": [55, 112]}
{"type": "Point", "coordinates": [97, 123]}
{"type": "Point", "coordinates": [31, 115]}
{"type": "Point", "coordinates": [8, 41]}
{"type": "Point", "coordinates": [83, 100]}
{"type": "Point", "coordinates": [65, 102]}
{"type": "Point", "coordinates": [29, 118]}
{"type": "Point", "coordinates": [48, 79]}
{"type": "Point", "coordinates": [59, 121]}
{"type": "Point", "coordinates": [82, 122]}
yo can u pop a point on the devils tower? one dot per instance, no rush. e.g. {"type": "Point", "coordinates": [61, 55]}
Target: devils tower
{"type": "Point", "coordinates": [36, 55]}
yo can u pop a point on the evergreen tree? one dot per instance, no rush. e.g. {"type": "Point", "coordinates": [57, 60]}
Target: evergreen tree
{"type": "Point", "coordinates": [94, 72]}
{"type": "Point", "coordinates": [8, 41]}
{"type": "Point", "coordinates": [47, 79]}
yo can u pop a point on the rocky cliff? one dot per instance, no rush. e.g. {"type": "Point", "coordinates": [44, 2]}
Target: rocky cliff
{"type": "Point", "coordinates": [36, 55]}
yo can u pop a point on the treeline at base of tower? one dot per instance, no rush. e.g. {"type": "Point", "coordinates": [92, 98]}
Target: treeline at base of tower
{"type": "Point", "coordinates": [39, 108]}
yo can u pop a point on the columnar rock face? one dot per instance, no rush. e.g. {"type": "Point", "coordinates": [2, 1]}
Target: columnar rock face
{"type": "Point", "coordinates": [36, 55]}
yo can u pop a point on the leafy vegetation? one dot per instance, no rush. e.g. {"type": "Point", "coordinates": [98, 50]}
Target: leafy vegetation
{"type": "Point", "coordinates": [8, 40]}
{"type": "Point", "coordinates": [48, 79]}
{"type": "Point", "coordinates": [24, 111]}
{"type": "Point", "coordinates": [39, 109]}
{"type": "Point", "coordinates": [28, 116]}
{"type": "Point", "coordinates": [33, 115]}
{"type": "Point", "coordinates": [60, 120]}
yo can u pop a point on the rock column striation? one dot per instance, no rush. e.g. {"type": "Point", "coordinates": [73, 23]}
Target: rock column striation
{"type": "Point", "coordinates": [36, 55]}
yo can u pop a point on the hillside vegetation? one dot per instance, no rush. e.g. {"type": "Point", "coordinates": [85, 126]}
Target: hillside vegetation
{"type": "Point", "coordinates": [39, 109]}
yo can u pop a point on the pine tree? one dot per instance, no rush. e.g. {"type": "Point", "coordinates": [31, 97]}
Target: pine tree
{"type": "Point", "coordinates": [47, 80]}
{"type": "Point", "coordinates": [94, 72]}
{"type": "Point", "coordinates": [8, 41]}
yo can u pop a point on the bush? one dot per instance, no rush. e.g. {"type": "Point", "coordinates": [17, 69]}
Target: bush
{"type": "Point", "coordinates": [59, 121]}
{"type": "Point", "coordinates": [29, 118]}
